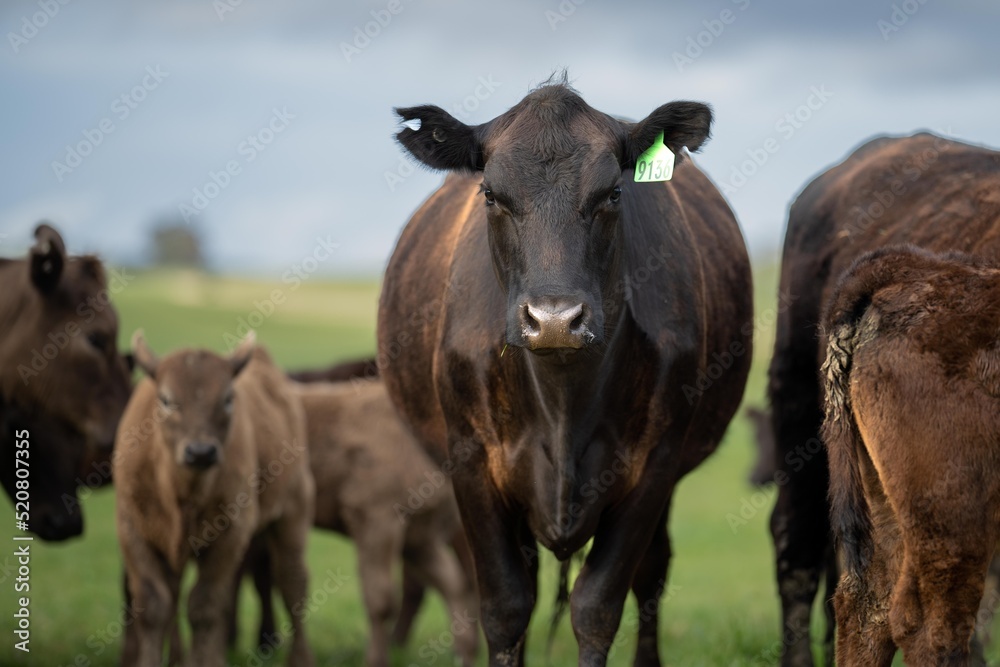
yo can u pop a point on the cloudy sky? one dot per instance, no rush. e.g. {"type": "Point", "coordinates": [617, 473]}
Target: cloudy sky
{"type": "Point", "coordinates": [118, 114]}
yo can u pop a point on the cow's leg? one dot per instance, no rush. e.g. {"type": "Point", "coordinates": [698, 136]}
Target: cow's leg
{"type": "Point", "coordinates": [378, 536]}
{"type": "Point", "coordinates": [209, 604]}
{"type": "Point", "coordinates": [153, 592]}
{"type": "Point", "coordinates": [264, 583]}
{"type": "Point", "coordinates": [506, 558]}
{"type": "Point", "coordinates": [863, 600]}
{"type": "Point", "coordinates": [864, 636]}
{"type": "Point", "coordinates": [413, 597]}
{"type": "Point", "coordinates": [286, 542]}
{"type": "Point", "coordinates": [648, 585]}
{"type": "Point", "coordinates": [440, 568]}
{"type": "Point", "coordinates": [800, 524]}
{"type": "Point", "coordinates": [623, 538]}
{"type": "Point", "coordinates": [934, 608]}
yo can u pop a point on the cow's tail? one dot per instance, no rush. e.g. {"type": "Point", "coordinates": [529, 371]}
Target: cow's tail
{"type": "Point", "coordinates": [842, 327]}
{"type": "Point", "coordinates": [562, 600]}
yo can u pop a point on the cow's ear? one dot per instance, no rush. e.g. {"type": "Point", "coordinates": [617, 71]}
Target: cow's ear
{"type": "Point", "coordinates": [144, 357]}
{"type": "Point", "coordinates": [48, 257]}
{"type": "Point", "coordinates": [240, 357]}
{"type": "Point", "coordinates": [682, 123]}
{"type": "Point", "coordinates": [442, 141]}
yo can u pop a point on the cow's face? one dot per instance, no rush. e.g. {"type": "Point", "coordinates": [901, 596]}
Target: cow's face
{"type": "Point", "coordinates": [556, 183]}
{"type": "Point", "coordinates": [196, 398]}
{"type": "Point", "coordinates": [61, 356]}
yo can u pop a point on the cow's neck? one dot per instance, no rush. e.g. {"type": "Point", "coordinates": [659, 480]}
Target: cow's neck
{"type": "Point", "coordinates": [574, 435]}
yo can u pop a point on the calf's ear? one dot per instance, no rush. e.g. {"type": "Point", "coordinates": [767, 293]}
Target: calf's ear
{"type": "Point", "coordinates": [241, 356]}
{"type": "Point", "coordinates": [682, 123]}
{"type": "Point", "coordinates": [442, 141]}
{"type": "Point", "coordinates": [48, 257]}
{"type": "Point", "coordinates": [143, 356]}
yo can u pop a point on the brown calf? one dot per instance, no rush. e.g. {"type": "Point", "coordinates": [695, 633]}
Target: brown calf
{"type": "Point", "coordinates": [211, 451]}
{"type": "Point", "coordinates": [376, 485]}
{"type": "Point", "coordinates": [912, 428]}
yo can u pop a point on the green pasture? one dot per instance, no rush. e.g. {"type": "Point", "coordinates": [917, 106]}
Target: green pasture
{"type": "Point", "coordinates": [722, 607]}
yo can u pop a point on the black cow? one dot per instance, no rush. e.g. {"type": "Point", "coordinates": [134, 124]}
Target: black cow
{"type": "Point", "coordinates": [568, 344]}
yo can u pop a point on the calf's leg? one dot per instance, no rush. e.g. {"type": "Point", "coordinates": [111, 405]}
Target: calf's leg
{"type": "Point", "coordinates": [441, 569]}
{"type": "Point", "coordinates": [378, 536]}
{"type": "Point", "coordinates": [286, 541]}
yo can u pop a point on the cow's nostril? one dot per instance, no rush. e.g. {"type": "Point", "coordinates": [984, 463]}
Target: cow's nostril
{"type": "Point", "coordinates": [576, 326]}
{"type": "Point", "coordinates": [529, 319]}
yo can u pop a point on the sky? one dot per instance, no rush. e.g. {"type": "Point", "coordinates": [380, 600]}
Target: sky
{"type": "Point", "coordinates": [268, 126]}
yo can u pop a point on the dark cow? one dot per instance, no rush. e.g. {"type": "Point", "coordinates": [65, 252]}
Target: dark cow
{"type": "Point", "coordinates": [61, 377]}
{"type": "Point", "coordinates": [938, 194]}
{"type": "Point", "coordinates": [568, 343]}
{"type": "Point", "coordinates": [913, 433]}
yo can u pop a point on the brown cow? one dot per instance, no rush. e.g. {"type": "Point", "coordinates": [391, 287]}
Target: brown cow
{"type": "Point", "coordinates": [380, 437]}
{"type": "Point", "coordinates": [61, 377]}
{"type": "Point", "coordinates": [571, 342]}
{"type": "Point", "coordinates": [925, 190]}
{"type": "Point", "coordinates": [913, 431]}
{"type": "Point", "coordinates": [211, 450]}
{"type": "Point", "coordinates": [381, 489]}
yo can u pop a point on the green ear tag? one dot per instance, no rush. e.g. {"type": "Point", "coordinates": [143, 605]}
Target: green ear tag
{"type": "Point", "coordinates": [655, 164]}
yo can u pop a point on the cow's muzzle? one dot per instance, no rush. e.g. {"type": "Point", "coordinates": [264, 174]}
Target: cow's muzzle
{"type": "Point", "coordinates": [201, 455]}
{"type": "Point", "coordinates": [555, 324]}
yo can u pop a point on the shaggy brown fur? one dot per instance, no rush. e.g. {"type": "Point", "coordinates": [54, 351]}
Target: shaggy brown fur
{"type": "Point", "coordinates": [61, 377]}
{"type": "Point", "coordinates": [211, 451]}
{"type": "Point", "coordinates": [913, 431]}
{"type": "Point", "coordinates": [924, 190]}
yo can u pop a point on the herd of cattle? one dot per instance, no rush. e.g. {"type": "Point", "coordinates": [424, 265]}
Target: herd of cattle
{"type": "Point", "coordinates": [558, 345]}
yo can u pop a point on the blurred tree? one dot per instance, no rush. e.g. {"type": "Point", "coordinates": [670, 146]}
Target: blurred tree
{"type": "Point", "coordinates": [176, 243]}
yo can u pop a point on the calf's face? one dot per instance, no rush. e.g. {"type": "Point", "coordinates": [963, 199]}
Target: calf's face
{"type": "Point", "coordinates": [195, 395]}
{"type": "Point", "coordinates": [556, 184]}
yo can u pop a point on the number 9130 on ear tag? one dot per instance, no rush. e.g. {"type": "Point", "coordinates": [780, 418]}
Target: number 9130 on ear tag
{"type": "Point", "coordinates": [655, 164]}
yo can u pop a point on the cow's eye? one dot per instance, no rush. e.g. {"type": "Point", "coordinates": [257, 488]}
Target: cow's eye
{"type": "Point", "coordinates": [490, 199]}
{"type": "Point", "coordinates": [98, 340]}
{"type": "Point", "coordinates": [227, 403]}
{"type": "Point", "coordinates": [165, 402]}
{"type": "Point", "coordinates": [616, 194]}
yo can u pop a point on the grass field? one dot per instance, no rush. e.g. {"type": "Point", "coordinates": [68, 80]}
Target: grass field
{"type": "Point", "coordinates": [722, 607]}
